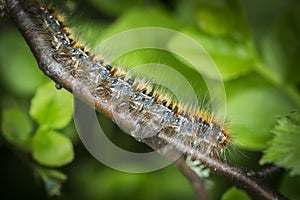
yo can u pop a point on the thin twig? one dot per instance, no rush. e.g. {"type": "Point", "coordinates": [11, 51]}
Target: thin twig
{"type": "Point", "coordinates": [268, 171]}
{"type": "Point", "coordinates": [197, 183]}
{"type": "Point", "coordinates": [56, 71]}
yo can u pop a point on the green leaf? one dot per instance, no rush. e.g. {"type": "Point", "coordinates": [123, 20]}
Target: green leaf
{"type": "Point", "coordinates": [50, 148]}
{"type": "Point", "coordinates": [53, 180]}
{"type": "Point", "coordinates": [51, 107]}
{"type": "Point", "coordinates": [16, 127]}
{"type": "Point", "coordinates": [235, 193]}
{"type": "Point", "coordinates": [283, 149]}
{"type": "Point", "coordinates": [233, 58]}
{"type": "Point", "coordinates": [252, 107]}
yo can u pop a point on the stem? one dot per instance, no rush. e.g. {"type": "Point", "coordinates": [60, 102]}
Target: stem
{"type": "Point", "coordinates": [268, 171]}
{"type": "Point", "coordinates": [197, 183]}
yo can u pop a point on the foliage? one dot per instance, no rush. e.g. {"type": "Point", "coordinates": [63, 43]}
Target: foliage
{"type": "Point", "coordinates": [52, 110]}
{"type": "Point", "coordinates": [283, 150]}
{"type": "Point", "coordinates": [255, 46]}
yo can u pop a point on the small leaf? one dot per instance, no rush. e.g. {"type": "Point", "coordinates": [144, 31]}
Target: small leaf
{"type": "Point", "coordinates": [53, 180]}
{"type": "Point", "coordinates": [51, 148]}
{"type": "Point", "coordinates": [283, 149]}
{"type": "Point", "coordinates": [51, 107]}
{"type": "Point", "coordinates": [16, 127]}
{"type": "Point", "coordinates": [235, 193]}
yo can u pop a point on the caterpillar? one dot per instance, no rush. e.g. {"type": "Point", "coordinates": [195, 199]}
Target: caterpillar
{"type": "Point", "coordinates": [139, 109]}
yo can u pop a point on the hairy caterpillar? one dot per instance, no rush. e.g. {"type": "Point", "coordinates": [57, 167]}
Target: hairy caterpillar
{"type": "Point", "coordinates": [137, 107]}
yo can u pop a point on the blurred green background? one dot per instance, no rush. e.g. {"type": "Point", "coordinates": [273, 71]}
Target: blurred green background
{"type": "Point", "coordinates": [255, 45]}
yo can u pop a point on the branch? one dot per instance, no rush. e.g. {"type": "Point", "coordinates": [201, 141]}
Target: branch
{"type": "Point", "coordinates": [197, 183]}
{"type": "Point", "coordinates": [55, 67]}
{"type": "Point", "coordinates": [267, 171]}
